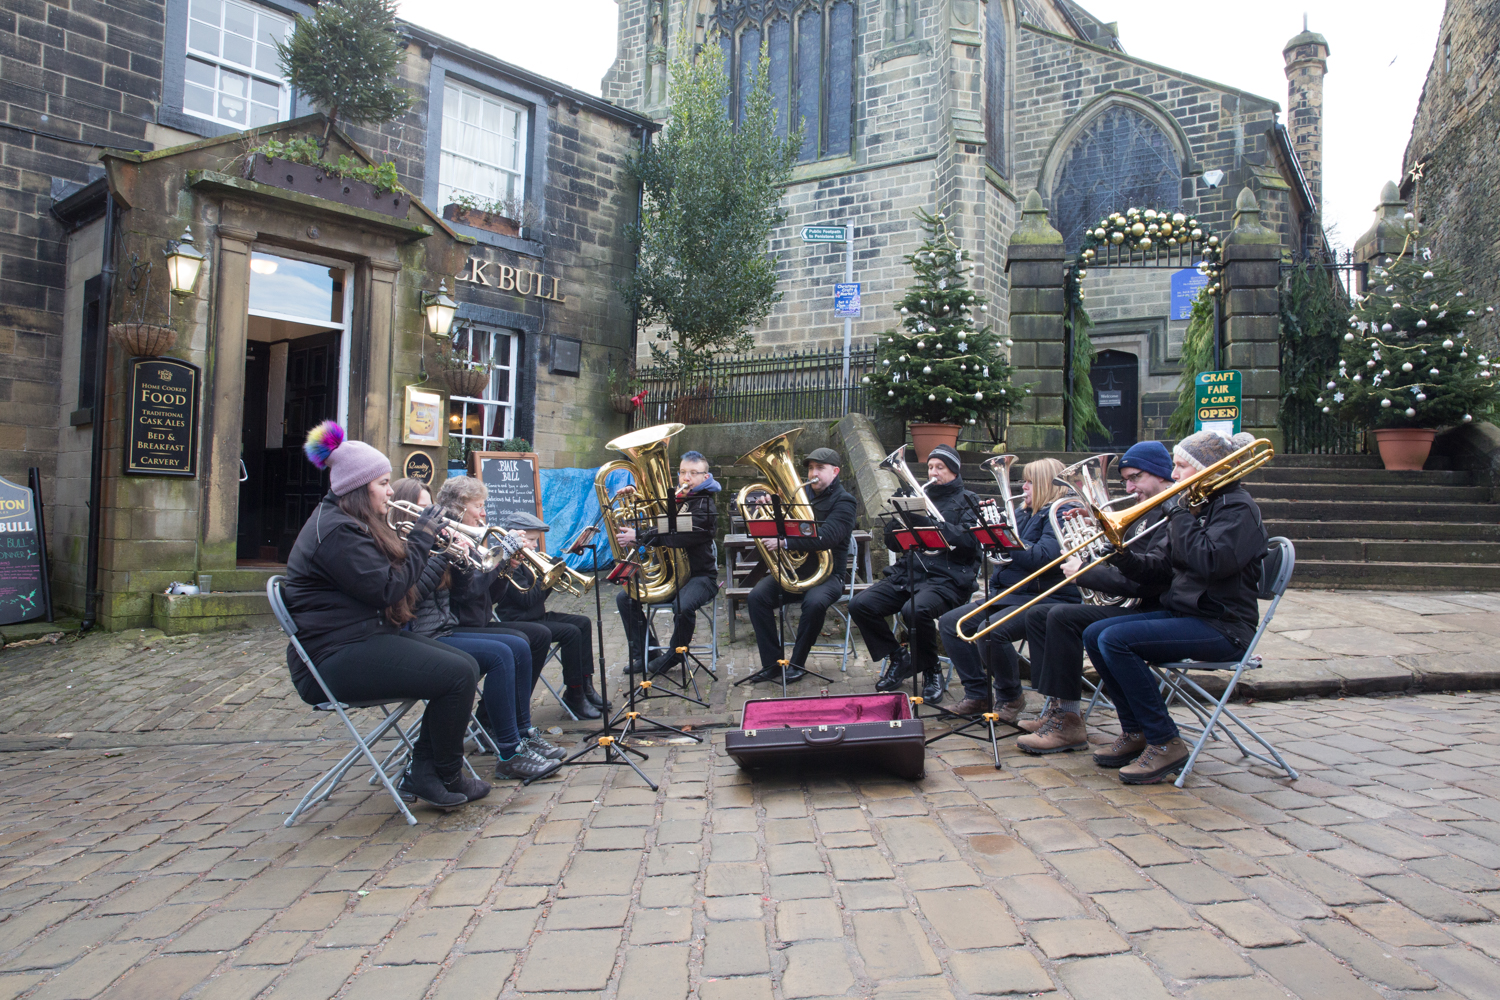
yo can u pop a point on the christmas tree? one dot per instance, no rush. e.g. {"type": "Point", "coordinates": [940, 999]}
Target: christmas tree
{"type": "Point", "coordinates": [940, 366]}
{"type": "Point", "coordinates": [1406, 358]}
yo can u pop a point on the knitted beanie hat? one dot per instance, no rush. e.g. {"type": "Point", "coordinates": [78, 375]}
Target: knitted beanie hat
{"type": "Point", "coordinates": [1148, 456]}
{"type": "Point", "coordinates": [949, 457]}
{"type": "Point", "coordinates": [351, 464]}
{"type": "Point", "coordinates": [1204, 448]}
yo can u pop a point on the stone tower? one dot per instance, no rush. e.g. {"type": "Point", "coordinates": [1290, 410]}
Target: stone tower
{"type": "Point", "coordinates": [1306, 58]}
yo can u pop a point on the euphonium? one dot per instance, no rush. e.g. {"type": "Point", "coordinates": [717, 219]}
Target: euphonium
{"type": "Point", "coordinates": [1074, 524]}
{"type": "Point", "coordinates": [896, 463]}
{"type": "Point", "coordinates": [663, 569]}
{"type": "Point", "coordinates": [794, 571]}
{"type": "Point", "coordinates": [999, 467]}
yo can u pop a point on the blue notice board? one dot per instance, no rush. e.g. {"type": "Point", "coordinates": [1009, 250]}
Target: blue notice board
{"type": "Point", "coordinates": [846, 300]}
{"type": "Point", "coordinates": [1186, 284]}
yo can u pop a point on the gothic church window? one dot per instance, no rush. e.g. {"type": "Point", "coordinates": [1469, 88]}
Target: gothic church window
{"type": "Point", "coordinates": [994, 87]}
{"type": "Point", "coordinates": [810, 45]}
{"type": "Point", "coordinates": [1119, 160]}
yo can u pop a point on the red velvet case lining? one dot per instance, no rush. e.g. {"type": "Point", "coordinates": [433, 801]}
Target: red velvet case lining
{"type": "Point", "coordinates": [775, 713]}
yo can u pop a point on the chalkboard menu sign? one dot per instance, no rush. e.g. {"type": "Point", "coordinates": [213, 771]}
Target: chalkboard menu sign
{"type": "Point", "coordinates": [163, 425]}
{"type": "Point", "coordinates": [20, 556]}
{"type": "Point", "coordinates": [511, 480]}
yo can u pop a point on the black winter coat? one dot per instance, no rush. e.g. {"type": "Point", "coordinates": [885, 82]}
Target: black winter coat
{"type": "Point", "coordinates": [434, 614]}
{"type": "Point", "coordinates": [513, 605]}
{"type": "Point", "coordinates": [699, 543]}
{"type": "Point", "coordinates": [1107, 579]}
{"type": "Point", "coordinates": [469, 596]}
{"type": "Point", "coordinates": [1210, 563]}
{"type": "Point", "coordinates": [339, 583]}
{"type": "Point", "coordinates": [1042, 546]}
{"type": "Point", "coordinates": [953, 570]}
{"type": "Point", "coordinates": [834, 511]}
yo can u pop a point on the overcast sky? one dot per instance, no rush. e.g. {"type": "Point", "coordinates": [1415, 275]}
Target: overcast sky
{"type": "Point", "coordinates": [1380, 51]}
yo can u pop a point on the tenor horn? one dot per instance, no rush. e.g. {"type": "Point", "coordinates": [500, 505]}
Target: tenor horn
{"type": "Point", "coordinates": [663, 569]}
{"type": "Point", "coordinates": [999, 467]}
{"type": "Point", "coordinates": [796, 572]}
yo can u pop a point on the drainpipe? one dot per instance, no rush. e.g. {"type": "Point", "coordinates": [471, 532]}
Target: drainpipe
{"type": "Point", "coordinates": [96, 458]}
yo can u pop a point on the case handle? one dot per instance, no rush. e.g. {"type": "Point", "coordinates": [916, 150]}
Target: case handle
{"type": "Point", "coordinates": [819, 738]}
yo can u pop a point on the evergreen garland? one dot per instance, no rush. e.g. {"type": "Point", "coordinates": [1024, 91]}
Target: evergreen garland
{"type": "Point", "coordinates": [939, 367]}
{"type": "Point", "coordinates": [1197, 356]}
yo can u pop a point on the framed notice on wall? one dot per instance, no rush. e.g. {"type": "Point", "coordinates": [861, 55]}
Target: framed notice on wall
{"type": "Point", "coordinates": [512, 481]}
{"type": "Point", "coordinates": [422, 417]}
{"type": "Point", "coordinates": [162, 427]}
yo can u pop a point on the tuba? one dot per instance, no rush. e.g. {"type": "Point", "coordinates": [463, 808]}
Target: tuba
{"type": "Point", "coordinates": [796, 572]}
{"type": "Point", "coordinates": [663, 569]}
{"type": "Point", "coordinates": [1075, 526]}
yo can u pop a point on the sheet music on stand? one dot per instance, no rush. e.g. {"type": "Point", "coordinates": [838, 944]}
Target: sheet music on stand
{"type": "Point", "coordinates": [916, 537]}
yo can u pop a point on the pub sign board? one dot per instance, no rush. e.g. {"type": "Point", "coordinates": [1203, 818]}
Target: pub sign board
{"type": "Point", "coordinates": [20, 556]}
{"type": "Point", "coordinates": [163, 423]}
{"type": "Point", "coordinates": [512, 481]}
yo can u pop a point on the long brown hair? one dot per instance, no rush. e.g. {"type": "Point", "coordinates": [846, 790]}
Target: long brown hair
{"type": "Point", "coordinates": [358, 505]}
{"type": "Point", "coordinates": [410, 491]}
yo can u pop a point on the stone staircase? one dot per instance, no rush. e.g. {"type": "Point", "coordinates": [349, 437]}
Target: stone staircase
{"type": "Point", "coordinates": [1357, 526]}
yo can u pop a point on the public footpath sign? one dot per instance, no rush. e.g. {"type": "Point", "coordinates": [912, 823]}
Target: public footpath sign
{"type": "Point", "coordinates": [846, 300]}
{"type": "Point", "coordinates": [1217, 402]}
{"type": "Point", "coordinates": [1186, 284]}
{"type": "Point", "coordinates": [824, 234]}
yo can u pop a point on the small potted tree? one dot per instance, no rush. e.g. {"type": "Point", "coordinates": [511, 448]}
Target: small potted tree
{"type": "Point", "coordinates": [939, 370]}
{"type": "Point", "coordinates": [1407, 367]}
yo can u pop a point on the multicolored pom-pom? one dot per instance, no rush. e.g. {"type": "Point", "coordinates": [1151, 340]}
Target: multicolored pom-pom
{"type": "Point", "coordinates": [321, 442]}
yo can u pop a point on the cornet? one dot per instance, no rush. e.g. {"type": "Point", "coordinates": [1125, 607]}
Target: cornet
{"type": "Point", "coordinates": [489, 549]}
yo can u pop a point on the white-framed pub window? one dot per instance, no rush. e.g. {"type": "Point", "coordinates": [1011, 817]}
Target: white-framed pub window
{"type": "Point", "coordinates": [481, 423]}
{"type": "Point", "coordinates": [483, 146]}
{"type": "Point", "coordinates": [232, 74]}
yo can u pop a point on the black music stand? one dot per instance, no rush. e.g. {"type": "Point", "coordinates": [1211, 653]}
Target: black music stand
{"type": "Point", "coordinates": [778, 528]}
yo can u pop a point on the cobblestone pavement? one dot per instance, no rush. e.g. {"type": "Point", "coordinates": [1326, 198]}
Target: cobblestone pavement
{"type": "Point", "coordinates": [145, 857]}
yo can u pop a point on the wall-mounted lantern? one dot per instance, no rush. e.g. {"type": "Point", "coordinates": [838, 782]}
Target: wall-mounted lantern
{"type": "Point", "coordinates": [183, 263]}
{"type": "Point", "coordinates": [440, 310]}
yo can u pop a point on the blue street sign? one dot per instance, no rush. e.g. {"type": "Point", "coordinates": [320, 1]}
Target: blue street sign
{"type": "Point", "coordinates": [1186, 284]}
{"type": "Point", "coordinates": [846, 300]}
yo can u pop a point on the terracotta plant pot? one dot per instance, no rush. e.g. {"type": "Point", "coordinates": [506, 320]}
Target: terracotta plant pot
{"type": "Point", "coordinates": [1405, 449]}
{"type": "Point", "coordinates": [622, 404]}
{"type": "Point", "coordinates": [467, 382]}
{"type": "Point", "coordinates": [481, 220]}
{"type": "Point", "coordinates": [925, 437]}
{"type": "Point", "coordinates": [143, 340]}
{"type": "Point", "coordinates": [315, 181]}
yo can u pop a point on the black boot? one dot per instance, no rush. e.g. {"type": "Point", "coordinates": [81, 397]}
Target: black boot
{"type": "Point", "coordinates": [594, 697]}
{"type": "Point", "coordinates": [663, 663]}
{"type": "Point", "coordinates": [577, 702]}
{"type": "Point", "coordinates": [794, 673]}
{"type": "Point", "coordinates": [896, 670]}
{"type": "Point", "coordinates": [421, 781]}
{"type": "Point", "coordinates": [470, 787]}
{"type": "Point", "coordinates": [932, 687]}
{"type": "Point", "coordinates": [636, 663]}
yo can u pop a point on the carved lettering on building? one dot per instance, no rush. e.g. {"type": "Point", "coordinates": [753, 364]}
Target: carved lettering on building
{"type": "Point", "coordinates": [516, 280]}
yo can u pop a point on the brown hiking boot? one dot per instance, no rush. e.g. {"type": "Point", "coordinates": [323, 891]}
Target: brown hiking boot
{"type": "Point", "coordinates": [1126, 748]}
{"type": "Point", "coordinates": [971, 706]}
{"type": "Point", "coordinates": [1010, 711]}
{"type": "Point", "coordinates": [1061, 731]}
{"type": "Point", "coordinates": [1032, 725]}
{"type": "Point", "coordinates": [1155, 763]}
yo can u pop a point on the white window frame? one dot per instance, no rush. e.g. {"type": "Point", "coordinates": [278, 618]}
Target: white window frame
{"type": "Point", "coordinates": [499, 376]}
{"type": "Point", "coordinates": [345, 325]}
{"type": "Point", "coordinates": [221, 64]}
{"type": "Point", "coordinates": [514, 179]}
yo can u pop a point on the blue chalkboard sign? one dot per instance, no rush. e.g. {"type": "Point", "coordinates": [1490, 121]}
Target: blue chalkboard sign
{"type": "Point", "coordinates": [21, 595]}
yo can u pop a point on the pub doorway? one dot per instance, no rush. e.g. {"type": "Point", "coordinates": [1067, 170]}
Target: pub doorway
{"type": "Point", "coordinates": [1116, 378]}
{"type": "Point", "coordinates": [296, 376]}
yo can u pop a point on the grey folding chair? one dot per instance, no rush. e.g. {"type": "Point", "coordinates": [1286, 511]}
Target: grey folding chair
{"type": "Point", "coordinates": [710, 613]}
{"type": "Point", "coordinates": [556, 654]}
{"type": "Point", "coordinates": [1211, 711]}
{"type": "Point", "coordinates": [840, 607]}
{"type": "Point", "coordinates": [324, 786]}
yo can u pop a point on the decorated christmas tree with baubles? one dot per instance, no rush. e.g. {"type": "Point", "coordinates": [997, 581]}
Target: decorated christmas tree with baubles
{"type": "Point", "coordinates": [944, 364]}
{"type": "Point", "coordinates": [1407, 358]}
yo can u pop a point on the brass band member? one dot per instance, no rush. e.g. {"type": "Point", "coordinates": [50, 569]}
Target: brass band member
{"type": "Point", "coordinates": [1054, 632]}
{"type": "Point", "coordinates": [833, 508]}
{"type": "Point", "coordinates": [921, 586]}
{"type": "Point", "coordinates": [696, 487]}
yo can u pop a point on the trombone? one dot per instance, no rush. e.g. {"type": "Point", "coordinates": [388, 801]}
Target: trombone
{"type": "Point", "coordinates": [1112, 526]}
{"type": "Point", "coordinates": [483, 557]}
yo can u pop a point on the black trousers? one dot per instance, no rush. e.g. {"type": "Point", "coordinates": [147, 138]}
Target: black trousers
{"type": "Point", "coordinates": [412, 666]}
{"type": "Point", "coordinates": [992, 654]}
{"type": "Point", "coordinates": [1055, 634]}
{"type": "Point", "coordinates": [537, 636]}
{"type": "Point", "coordinates": [767, 596]}
{"type": "Point", "coordinates": [574, 635]}
{"type": "Point", "coordinates": [871, 606]}
{"type": "Point", "coordinates": [697, 592]}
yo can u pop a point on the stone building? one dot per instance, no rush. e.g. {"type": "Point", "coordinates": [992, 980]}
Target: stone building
{"type": "Point", "coordinates": [128, 123]}
{"type": "Point", "coordinates": [970, 105]}
{"type": "Point", "coordinates": [1448, 172]}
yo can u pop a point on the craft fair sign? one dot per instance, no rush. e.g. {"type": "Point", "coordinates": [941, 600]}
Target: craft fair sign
{"type": "Point", "coordinates": [1218, 402]}
{"type": "Point", "coordinates": [516, 280]}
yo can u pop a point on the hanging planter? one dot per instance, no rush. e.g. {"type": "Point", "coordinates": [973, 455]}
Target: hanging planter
{"type": "Point", "coordinates": [622, 403]}
{"type": "Point", "coordinates": [1404, 449]}
{"type": "Point", "coordinates": [143, 340]}
{"type": "Point", "coordinates": [469, 382]}
{"type": "Point", "coordinates": [925, 437]}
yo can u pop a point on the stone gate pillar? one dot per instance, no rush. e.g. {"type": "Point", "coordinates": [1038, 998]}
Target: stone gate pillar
{"type": "Point", "coordinates": [1252, 317]}
{"type": "Point", "coordinates": [1388, 236]}
{"type": "Point", "coordinates": [1034, 262]}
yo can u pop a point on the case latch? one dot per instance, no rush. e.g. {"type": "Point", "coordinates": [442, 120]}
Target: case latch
{"type": "Point", "coordinates": [751, 732]}
{"type": "Point", "coordinates": [895, 723]}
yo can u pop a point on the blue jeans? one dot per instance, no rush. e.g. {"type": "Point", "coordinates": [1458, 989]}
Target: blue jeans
{"type": "Point", "coordinates": [505, 663]}
{"type": "Point", "coordinates": [1120, 648]}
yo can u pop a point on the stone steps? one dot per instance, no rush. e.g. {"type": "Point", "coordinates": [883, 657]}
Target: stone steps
{"type": "Point", "coordinates": [1437, 531]}
{"type": "Point", "coordinates": [1395, 575]}
{"type": "Point", "coordinates": [1377, 511]}
{"type": "Point", "coordinates": [1395, 550]}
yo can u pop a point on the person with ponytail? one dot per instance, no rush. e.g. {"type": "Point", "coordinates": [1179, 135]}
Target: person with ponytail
{"type": "Point", "coordinates": [348, 581]}
{"type": "Point", "coordinates": [504, 658]}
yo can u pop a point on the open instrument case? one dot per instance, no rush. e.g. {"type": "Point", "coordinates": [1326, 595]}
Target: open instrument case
{"type": "Point", "coordinates": [856, 730]}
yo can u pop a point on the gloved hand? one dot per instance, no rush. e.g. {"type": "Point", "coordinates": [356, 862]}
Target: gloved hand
{"type": "Point", "coordinates": [512, 542]}
{"type": "Point", "coordinates": [427, 525]}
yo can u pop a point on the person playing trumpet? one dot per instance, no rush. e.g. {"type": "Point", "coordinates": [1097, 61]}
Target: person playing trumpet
{"type": "Point", "coordinates": [833, 507]}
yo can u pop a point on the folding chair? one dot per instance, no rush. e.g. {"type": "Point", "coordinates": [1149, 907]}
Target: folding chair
{"type": "Point", "coordinates": [840, 607]}
{"type": "Point", "coordinates": [1275, 574]}
{"type": "Point", "coordinates": [710, 611]}
{"type": "Point", "coordinates": [556, 654]}
{"type": "Point", "coordinates": [324, 786]}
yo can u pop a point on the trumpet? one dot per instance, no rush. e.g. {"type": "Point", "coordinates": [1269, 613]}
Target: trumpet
{"type": "Point", "coordinates": [489, 541]}
{"type": "Point", "coordinates": [999, 467]}
{"type": "Point", "coordinates": [896, 463]}
{"type": "Point", "coordinates": [1112, 526]}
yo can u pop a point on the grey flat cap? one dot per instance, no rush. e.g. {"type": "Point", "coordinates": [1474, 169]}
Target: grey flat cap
{"type": "Point", "coordinates": [827, 456]}
{"type": "Point", "coordinates": [519, 520]}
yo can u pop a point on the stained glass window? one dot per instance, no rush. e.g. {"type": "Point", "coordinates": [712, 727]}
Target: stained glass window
{"type": "Point", "coordinates": [810, 44]}
{"type": "Point", "coordinates": [994, 87]}
{"type": "Point", "coordinates": [1121, 159]}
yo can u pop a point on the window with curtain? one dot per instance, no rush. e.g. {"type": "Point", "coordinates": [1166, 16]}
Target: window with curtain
{"type": "Point", "coordinates": [481, 423]}
{"type": "Point", "coordinates": [1120, 159]}
{"type": "Point", "coordinates": [810, 45]}
{"type": "Point", "coordinates": [232, 73]}
{"type": "Point", "coordinates": [995, 38]}
{"type": "Point", "coordinates": [483, 146]}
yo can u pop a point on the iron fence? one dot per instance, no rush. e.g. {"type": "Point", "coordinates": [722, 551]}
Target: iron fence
{"type": "Point", "coordinates": [1314, 319]}
{"type": "Point", "coordinates": [797, 386]}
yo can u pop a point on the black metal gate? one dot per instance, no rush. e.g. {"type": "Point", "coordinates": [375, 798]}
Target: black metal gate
{"type": "Point", "coordinates": [1317, 293]}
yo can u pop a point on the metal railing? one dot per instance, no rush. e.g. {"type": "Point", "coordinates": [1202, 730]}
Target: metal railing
{"type": "Point", "coordinates": [797, 386]}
